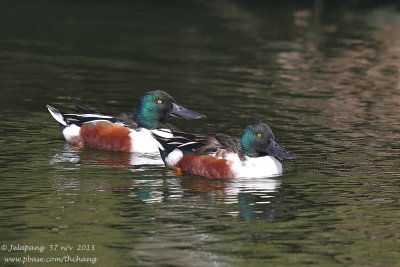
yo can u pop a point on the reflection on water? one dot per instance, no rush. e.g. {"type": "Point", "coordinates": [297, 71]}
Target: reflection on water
{"type": "Point", "coordinates": [323, 74]}
{"type": "Point", "coordinates": [92, 157]}
{"type": "Point", "coordinates": [225, 191]}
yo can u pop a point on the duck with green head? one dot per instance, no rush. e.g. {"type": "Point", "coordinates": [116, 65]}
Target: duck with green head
{"type": "Point", "coordinates": [85, 127]}
{"type": "Point", "coordinates": [224, 156]}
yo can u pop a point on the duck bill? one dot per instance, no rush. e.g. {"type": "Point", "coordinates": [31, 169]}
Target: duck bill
{"type": "Point", "coordinates": [184, 113]}
{"type": "Point", "coordinates": [275, 149]}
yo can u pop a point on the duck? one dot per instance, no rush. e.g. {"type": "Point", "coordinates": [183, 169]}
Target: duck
{"type": "Point", "coordinates": [253, 155]}
{"type": "Point", "coordinates": [88, 128]}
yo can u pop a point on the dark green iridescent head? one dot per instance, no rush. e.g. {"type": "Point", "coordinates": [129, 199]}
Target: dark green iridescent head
{"type": "Point", "coordinates": [258, 141]}
{"type": "Point", "coordinates": [154, 107]}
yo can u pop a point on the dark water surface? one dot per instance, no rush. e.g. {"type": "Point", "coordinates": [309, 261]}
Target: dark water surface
{"type": "Point", "coordinates": [324, 75]}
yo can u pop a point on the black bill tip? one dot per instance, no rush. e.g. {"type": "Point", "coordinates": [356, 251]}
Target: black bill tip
{"type": "Point", "coordinates": [275, 149]}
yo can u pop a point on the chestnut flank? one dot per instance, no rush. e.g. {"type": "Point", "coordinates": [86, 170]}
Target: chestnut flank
{"type": "Point", "coordinates": [206, 166]}
{"type": "Point", "coordinates": [106, 136]}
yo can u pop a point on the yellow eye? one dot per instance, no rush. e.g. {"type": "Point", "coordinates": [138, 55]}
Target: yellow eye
{"type": "Point", "coordinates": [159, 101]}
{"type": "Point", "coordinates": [258, 135]}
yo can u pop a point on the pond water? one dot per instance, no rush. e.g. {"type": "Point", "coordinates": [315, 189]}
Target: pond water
{"type": "Point", "coordinates": [325, 76]}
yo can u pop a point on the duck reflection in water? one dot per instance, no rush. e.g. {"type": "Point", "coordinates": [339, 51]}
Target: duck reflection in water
{"type": "Point", "coordinates": [94, 157]}
{"type": "Point", "coordinates": [246, 199]}
{"type": "Point", "coordinates": [249, 195]}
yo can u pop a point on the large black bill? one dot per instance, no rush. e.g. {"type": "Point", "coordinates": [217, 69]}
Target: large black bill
{"type": "Point", "coordinates": [275, 149]}
{"type": "Point", "coordinates": [181, 112]}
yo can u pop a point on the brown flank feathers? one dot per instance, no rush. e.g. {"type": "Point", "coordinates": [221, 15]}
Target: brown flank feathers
{"type": "Point", "coordinates": [206, 166]}
{"type": "Point", "coordinates": [106, 135]}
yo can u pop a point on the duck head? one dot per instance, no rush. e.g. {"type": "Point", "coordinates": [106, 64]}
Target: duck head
{"type": "Point", "coordinates": [258, 141]}
{"type": "Point", "coordinates": [154, 107]}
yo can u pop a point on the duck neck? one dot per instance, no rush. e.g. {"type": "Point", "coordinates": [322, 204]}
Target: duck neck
{"type": "Point", "coordinates": [146, 120]}
{"type": "Point", "coordinates": [246, 147]}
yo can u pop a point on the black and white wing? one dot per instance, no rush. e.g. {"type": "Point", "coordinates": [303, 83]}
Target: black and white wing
{"type": "Point", "coordinates": [81, 114]}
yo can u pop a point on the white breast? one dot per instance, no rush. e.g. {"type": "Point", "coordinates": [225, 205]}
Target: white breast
{"type": "Point", "coordinates": [256, 167]}
{"type": "Point", "coordinates": [144, 142]}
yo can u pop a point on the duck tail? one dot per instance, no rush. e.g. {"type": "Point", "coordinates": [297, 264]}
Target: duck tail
{"type": "Point", "coordinates": [164, 145]}
{"type": "Point", "coordinates": [180, 141]}
{"type": "Point", "coordinates": [57, 115]}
